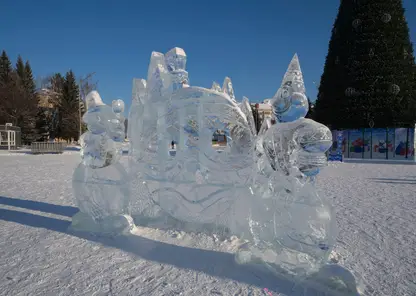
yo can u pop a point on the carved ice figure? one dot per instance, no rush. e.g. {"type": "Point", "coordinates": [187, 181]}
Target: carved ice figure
{"type": "Point", "coordinates": [100, 183]}
{"type": "Point", "coordinates": [292, 227]}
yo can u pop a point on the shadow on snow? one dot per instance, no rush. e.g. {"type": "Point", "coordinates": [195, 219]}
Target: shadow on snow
{"type": "Point", "coordinates": [218, 264]}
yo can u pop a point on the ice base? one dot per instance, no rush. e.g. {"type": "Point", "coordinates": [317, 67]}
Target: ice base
{"type": "Point", "coordinates": [110, 225]}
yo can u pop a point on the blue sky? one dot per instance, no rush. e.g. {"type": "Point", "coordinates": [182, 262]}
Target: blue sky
{"type": "Point", "coordinates": [250, 41]}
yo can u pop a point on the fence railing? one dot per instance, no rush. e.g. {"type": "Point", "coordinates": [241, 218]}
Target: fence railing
{"type": "Point", "coordinates": [47, 147]}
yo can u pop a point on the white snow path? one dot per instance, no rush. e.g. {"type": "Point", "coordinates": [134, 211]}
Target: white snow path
{"type": "Point", "coordinates": [376, 215]}
{"type": "Point", "coordinates": [376, 211]}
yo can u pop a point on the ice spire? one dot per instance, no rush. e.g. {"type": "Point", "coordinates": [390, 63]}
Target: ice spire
{"type": "Point", "coordinates": [175, 59]}
{"type": "Point", "coordinates": [290, 102]}
{"type": "Point", "coordinates": [216, 87]}
{"type": "Point", "coordinates": [156, 59]}
{"type": "Point", "coordinates": [227, 87]}
{"type": "Point", "coordinates": [246, 109]}
{"type": "Point", "coordinates": [139, 90]}
{"type": "Point", "coordinates": [293, 76]}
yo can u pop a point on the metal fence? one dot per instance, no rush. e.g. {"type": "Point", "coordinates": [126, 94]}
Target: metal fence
{"type": "Point", "coordinates": [47, 147]}
{"type": "Point", "coordinates": [10, 136]}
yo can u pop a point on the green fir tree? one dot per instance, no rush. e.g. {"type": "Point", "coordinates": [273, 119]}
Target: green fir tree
{"type": "Point", "coordinates": [43, 121]}
{"type": "Point", "coordinates": [311, 111]}
{"type": "Point", "coordinates": [69, 108]}
{"type": "Point", "coordinates": [20, 68]}
{"type": "Point", "coordinates": [29, 81]}
{"type": "Point", "coordinates": [6, 69]}
{"type": "Point", "coordinates": [369, 73]}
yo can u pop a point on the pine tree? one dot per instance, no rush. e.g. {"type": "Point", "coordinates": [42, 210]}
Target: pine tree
{"type": "Point", "coordinates": [69, 108]}
{"type": "Point", "coordinates": [54, 94]}
{"type": "Point", "coordinates": [43, 120]}
{"type": "Point", "coordinates": [6, 68]}
{"type": "Point", "coordinates": [57, 82]}
{"type": "Point", "coordinates": [29, 81]}
{"type": "Point", "coordinates": [369, 73]}
{"type": "Point", "coordinates": [16, 104]}
{"type": "Point", "coordinates": [311, 111]}
{"type": "Point", "coordinates": [20, 68]}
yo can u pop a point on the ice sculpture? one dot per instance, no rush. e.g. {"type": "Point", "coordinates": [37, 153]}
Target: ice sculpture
{"type": "Point", "coordinates": [196, 184]}
{"type": "Point", "coordinates": [259, 187]}
{"type": "Point", "coordinates": [292, 227]}
{"type": "Point", "coordinates": [100, 182]}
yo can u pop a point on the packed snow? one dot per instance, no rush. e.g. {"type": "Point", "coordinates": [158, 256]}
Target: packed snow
{"type": "Point", "coordinates": [376, 215]}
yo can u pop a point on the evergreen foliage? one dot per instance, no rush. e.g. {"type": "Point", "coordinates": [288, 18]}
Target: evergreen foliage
{"type": "Point", "coordinates": [20, 68]}
{"type": "Point", "coordinates": [6, 68]}
{"type": "Point", "coordinates": [43, 120]}
{"type": "Point", "coordinates": [51, 113]}
{"type": "Point", "coordinates": [311, 111]}
{"type": "Point", "coordinates": [18, 105]}
{"type": "Point", "coordinates": [69, 107]}
{"type": "Point", "coordinates": [369, 73]}
{"type": "Point", "coordinates": [29, 81]}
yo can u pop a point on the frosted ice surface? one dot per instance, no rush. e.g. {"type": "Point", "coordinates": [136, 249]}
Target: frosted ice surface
{"type": "Point", "coordinates": [246, 109]}
{"type": "Point", "coordinates": [139, 91]}
{"type": "Point", "coordinates": [136, 109]}
{"type": "Point", "coordinates": [299, 144]}
{"type": "Point", "coordinates": [216, 86]}
{"type": "Point", "coordinates": [102, 192]}
{"type": "Point", "coordinates": [118, 106]}
{"type": "Point", "coordinates": [266, 124]}
{"type": "Point", "coordinates": [99, 150]}
{"type": "Point", "coordinates": [227, 87]}
{"type": "Point", "coordinates": [293, 76]}
{"type": "Point", "coordinates": [290, 102]}
{"type": "Point", "coordinates": [186, 185]}
{"type": "Point", "coordinates": [176, 59]}
{"type": "Point", "coordinates": [156, 59]}
{"type": "Point", "coordinates": [101, 118]}
{"type": "Point", "coordinates": [100, 183]}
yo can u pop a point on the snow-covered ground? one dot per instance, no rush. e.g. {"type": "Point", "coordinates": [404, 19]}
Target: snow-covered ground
{"type": "Point", "coordinates": [376, 214]}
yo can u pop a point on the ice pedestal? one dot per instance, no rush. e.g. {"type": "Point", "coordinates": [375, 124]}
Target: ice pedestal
{"type": "Point", "coordinates": [292, 232]}
{"type": "Point", "coordinates": [102, 192]}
